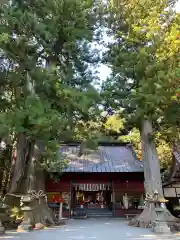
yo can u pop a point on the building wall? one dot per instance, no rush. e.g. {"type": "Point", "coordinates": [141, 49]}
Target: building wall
{"type": "Point", "coordinates": [130, 183]}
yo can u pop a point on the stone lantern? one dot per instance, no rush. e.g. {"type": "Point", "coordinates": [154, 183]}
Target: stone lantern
{"type": "Point", "coordinates": [159, 225]}
{"type": "Point", "coordinates": [26, 224]}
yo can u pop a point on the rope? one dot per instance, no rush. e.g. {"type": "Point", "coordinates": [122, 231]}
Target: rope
{"type": "Point", "coordinates": [33, 195]}
{"type": "Point", "coordinates": [38, 195]}
{"type": "Point", "coordinates": [149, 196]}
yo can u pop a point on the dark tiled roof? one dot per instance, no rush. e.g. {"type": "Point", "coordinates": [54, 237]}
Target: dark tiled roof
{"type": "Point", "coordinates": [104, 159]}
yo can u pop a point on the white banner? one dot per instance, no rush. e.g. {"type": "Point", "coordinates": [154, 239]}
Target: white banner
{"type": "Point", "coordinates": [92, 187]}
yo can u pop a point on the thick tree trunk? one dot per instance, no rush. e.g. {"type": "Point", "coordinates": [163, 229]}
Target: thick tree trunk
{"type": "Point", "coordinates": [19, 171]}
{"type": "Point", "coordinates": [40, 215]}
{"type": "Point", "coordinates": [35, 185]}
{"type": "Point", "coordinates": [152, 173]}
{"type": "Point", "coordinates": [20, 165]}
{"type": "Point", "coordinates": [152, 179]}
{"type": "Point", "coordinates": [43, 215]}
{"type": "Point", "coordinates": [26, 180]}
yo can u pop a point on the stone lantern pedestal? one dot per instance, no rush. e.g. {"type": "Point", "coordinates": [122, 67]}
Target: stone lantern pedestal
{"type": "Point", "coordinates": [26, 224]}
{"type": "Point", "coordinates": [159, 225]}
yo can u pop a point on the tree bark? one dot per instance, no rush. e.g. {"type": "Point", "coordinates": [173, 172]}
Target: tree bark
{"type": "Point", "coordinates": [27, 179]}
{"type": "Point", "coordinates": [17, 185]}
{"type": "Point", "coordinates": [152, 173]}
{"type": "Point", "coordinates": [20, 165]}
{"type": "Point", "coordinates": [152, 181]}
{"type": "Point", "coordinates": [35, 185]}
{"type": "Point", "coordinates": [42, 213]}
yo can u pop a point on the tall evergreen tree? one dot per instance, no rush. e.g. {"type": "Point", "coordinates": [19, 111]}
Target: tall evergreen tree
{"type": "Point", "coordinates": [144, 60]}
{"type": "Point", "coordinates": [46, 85]}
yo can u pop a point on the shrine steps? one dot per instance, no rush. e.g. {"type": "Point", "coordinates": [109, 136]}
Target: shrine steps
{"type": "Point", "coordinates": [92, 213]}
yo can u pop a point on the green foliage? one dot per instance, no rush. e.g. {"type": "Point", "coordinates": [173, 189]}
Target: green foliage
{"type": "Point", "coordinates": [144, 58]}
{"type": "Point", "coordinates": [53, 160]}
{"type": "Point", "coordinates": [135, 139]}
{"type": "Point", "coordinates": [88, 132]}
{"type": "Point", "coordinates": [46, 82]}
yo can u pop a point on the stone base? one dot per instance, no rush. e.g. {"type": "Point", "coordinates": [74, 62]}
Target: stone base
{"type": "Point", "coordinates": [160, 227]}
{"type": "Point", "coordinates": [150, 215]}
{"type": "Point", "coordinates": [142, 224]}
{"type": "Point", "coordinates": [175, 227]}
{"type": "Point", "coordinates": [24, 228]}
{"type": "Point", "coordinates": [2, 231]}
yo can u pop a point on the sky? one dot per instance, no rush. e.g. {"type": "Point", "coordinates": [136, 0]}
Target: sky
{"type": "Point", "coordinates": [104, 71]}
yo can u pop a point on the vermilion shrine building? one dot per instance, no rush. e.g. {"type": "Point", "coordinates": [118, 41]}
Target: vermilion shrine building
{"type": "Point", "coordinates": [99, 181]}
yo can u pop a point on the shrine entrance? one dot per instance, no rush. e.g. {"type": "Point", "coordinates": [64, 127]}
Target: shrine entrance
{"type": "Point", "coordinates": [92, 196]}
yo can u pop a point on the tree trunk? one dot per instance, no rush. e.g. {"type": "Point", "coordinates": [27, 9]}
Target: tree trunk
{"type": "Point", "coordinates": [40, 215]}
{"type": "Point", "coordinates": [35, 183]}
{"type": "Point", "coordinates": [152, 173]}
{"type": "Point", "coordinates": [27, 180]}
{"type": "Point", "coordinates": [43, 215]}
{"type": "Point", "coordinates": [17, 185]}
{"type": "Point", "coordinates": [152, 179]}
{"type": "Point", "coordinates": [20, 165]}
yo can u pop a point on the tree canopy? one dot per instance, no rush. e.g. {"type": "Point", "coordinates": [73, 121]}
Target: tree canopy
{"type": "Point", "coordinates": [144, 59]}
{"type": "Point", "coordinates": [46, 69]}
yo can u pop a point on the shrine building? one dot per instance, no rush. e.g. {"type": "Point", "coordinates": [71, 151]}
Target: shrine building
{"type": "Point", "coordinates": [171, 183]}
{"type": "Point", "coordinates": [108, 181]}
